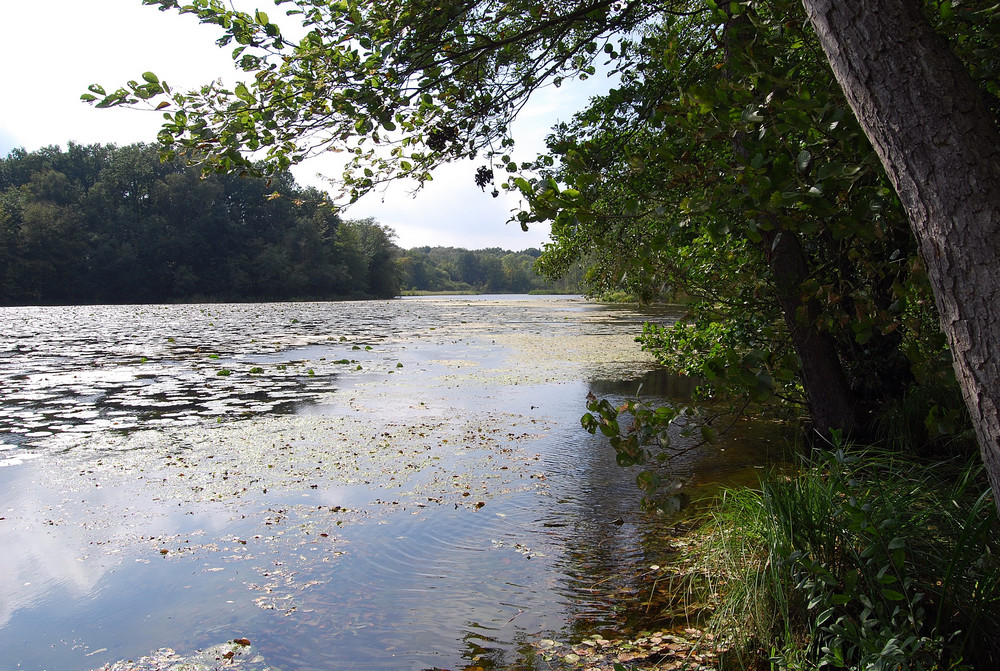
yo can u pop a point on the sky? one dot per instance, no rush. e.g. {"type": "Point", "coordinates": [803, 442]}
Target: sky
{"type": "Point", "coordinates": [54, 49]}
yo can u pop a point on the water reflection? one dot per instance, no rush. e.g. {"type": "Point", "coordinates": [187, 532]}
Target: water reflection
{"type": "Point", "coordinates": [427, 499]}
{"type": "Point", "coordinates": [60, 543]}
{"type": "Point", "coordinates": [655, 383]}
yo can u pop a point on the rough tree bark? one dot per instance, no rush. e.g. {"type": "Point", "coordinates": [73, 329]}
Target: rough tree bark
{"type": "Point", "coordinates": [941, 149]}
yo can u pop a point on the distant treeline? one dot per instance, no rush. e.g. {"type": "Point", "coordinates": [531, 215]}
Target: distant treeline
{"type": "Point", "coordinates": [103, 224]}
{"type": "Point", "coordinates": [449, 269]}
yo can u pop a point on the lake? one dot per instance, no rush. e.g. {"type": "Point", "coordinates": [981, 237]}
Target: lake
{"type": "Point", "coordinates": [374, 485]}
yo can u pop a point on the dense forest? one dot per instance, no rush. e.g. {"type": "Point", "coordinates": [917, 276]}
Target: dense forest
{"type": "Point", "coordinates": [103, 224]}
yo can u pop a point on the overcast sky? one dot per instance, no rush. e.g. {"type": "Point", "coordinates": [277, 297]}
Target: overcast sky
{"type": "Point", "coordinates": [53, 49]}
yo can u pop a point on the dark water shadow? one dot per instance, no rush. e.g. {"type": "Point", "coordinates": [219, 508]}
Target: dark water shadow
{"type": "Point", "coordinates": [656, 383]}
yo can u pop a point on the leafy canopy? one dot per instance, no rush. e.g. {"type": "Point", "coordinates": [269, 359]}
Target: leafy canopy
{"type": "Point", "coordinates": [399, 86]}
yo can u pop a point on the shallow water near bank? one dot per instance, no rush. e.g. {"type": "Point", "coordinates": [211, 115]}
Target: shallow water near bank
{"type": "Point", "coordinates": [379, 485]}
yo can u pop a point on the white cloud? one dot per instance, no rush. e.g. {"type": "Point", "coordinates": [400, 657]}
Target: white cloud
{"type": "Point", "coordinates": [450, 211]}
{"type": "Point", "coordinates": [54, 49]}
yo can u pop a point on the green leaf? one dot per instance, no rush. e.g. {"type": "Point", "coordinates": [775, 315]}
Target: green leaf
{"type": "Point", "coordinates": [243, 93]}
{"type": "Point", "coordinates": [822, 618]}
{"type": "Point", "coordinates": [892, 595]}
{"type": "Point", "coordinates": [150, 77]}
{"type": "Point", "coordinates": [609, 429]}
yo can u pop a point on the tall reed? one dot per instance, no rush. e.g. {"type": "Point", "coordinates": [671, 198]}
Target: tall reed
{"type": "Point", "coordinates": [861, 560]}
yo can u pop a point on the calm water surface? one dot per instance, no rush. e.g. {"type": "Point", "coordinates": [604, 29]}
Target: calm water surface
{"type": "Point", "coordinates": [376, 485]}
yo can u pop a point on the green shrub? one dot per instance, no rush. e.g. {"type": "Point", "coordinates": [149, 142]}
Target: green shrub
{"type": "Point", "coordinates": [862, 560]}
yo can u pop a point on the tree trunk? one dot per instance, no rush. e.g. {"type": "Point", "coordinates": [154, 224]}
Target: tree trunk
{"type": "Point", "coordinates": [941, 149]}
{"type": "Point", "coordinates": [831, 402]}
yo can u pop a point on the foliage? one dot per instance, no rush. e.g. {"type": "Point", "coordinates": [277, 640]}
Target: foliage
{"type": "Point", "coordinates": [703, 160]}
{"type": "Point", "coordinates": [862, 560]}
{"type": "Point", "coordinates": [728, 139]}
{"type": "Point", "coordinates": [930, 421]}
{"type": "Point", "coordinates": [648, 433]}
{"type": "Point", "coordinates": [374, 243]}
{"type": "Point", "coordinates": [399, 86]}
{"type": "Point", "coordinates": [102, 224]}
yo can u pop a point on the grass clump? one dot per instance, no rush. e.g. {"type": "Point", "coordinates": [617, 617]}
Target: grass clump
{"type": "Point", "coordinates": [860, 560]}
